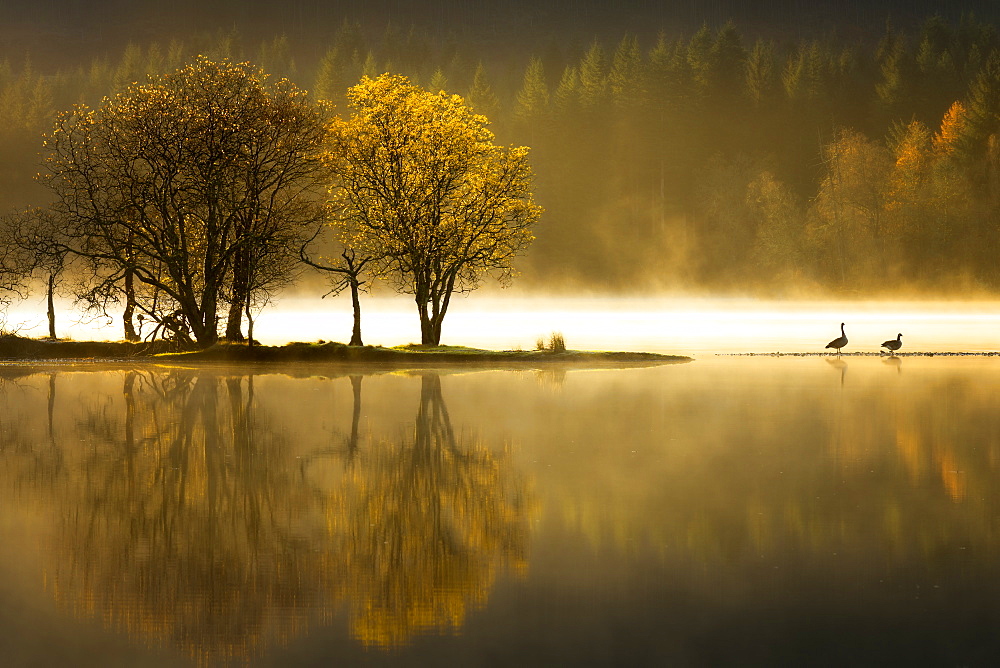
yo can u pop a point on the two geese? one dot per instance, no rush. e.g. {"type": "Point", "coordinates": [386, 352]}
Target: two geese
{"type": "Point", "coordinates": [892, 345]}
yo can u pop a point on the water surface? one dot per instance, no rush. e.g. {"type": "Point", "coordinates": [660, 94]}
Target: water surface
{"type": "Point", "coordinates": [728, 511]}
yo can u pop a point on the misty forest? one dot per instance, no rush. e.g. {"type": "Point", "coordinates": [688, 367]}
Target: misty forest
{"type": "Point", "coordinates": [721, 158]}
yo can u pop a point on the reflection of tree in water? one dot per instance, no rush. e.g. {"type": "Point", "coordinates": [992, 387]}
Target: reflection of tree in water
{"type": "Point", "coordinates": [425, 524]}
{"type": "Point", "coordinates": [180, 526]}
{"type": "Point", "coordinates": [24, 458]}
{"type": "Point", "coordinates": [553, 378]}
{"type": "Point", "coordinates": [183, 518]}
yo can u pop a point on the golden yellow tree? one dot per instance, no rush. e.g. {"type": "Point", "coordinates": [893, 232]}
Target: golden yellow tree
{"type": "Point", "coordinates": [418, 182]}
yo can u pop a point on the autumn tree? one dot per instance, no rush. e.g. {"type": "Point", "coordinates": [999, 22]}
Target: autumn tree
{"type": "Point", "coordinates": [853, 203]}
{"type": "Point", "coordinates": [196, 185]}
{"type": "Point", "coordinates": [418, 182]}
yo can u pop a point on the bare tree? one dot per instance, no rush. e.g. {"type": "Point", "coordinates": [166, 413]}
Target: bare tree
{"type": "Point", "coordinates": [30, 249]}
{"type": "Point", "coordinates": [16, 263]}
{"type": "Point", "coordinates": [347, 270]}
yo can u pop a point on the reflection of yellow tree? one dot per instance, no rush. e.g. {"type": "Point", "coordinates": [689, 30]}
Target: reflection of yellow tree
{"type": "Point", "coordinates": [181, 521]}
{"type": "Point", "coordinates": [426, 523]}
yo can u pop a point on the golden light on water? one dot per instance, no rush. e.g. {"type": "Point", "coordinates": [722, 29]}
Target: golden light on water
{"type": "Point", "coordinates": [683, 326]}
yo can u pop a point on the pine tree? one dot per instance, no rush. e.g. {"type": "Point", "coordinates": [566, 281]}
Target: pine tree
{"type": "Point", "coordinates": [594, 78]}
{"type": "Point", "coordinates": [131, 69]}
{"type": "Point", "coordinates": [370, 67]}
{"type": "Point", "coordinates": [727, 63]}
{"type": "Point", "coordinates": [328, 84]}
{"type": "Point", "coordinates": [949, 140]}
{"type": "Point", "coordinates": [983, 105]}
{"type": "Point", "coordinates": [626, 79]}
{"type": "Point", "coordinates": [481, 97]}
{"type": "Point", "coordinates": [533, 98]}
{"type": "Point", "coordinates": [438, 82]}
{"type": "Point", "coordinates": [896, 86]}
{"type": "Point", "coordinates": [699, 58]}
{"type": "Point", "coordinates": [761, 79]}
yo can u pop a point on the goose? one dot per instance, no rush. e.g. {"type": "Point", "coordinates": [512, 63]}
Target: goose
{"type": "Point", "coordinates": [894, 344]}
{"type": "Point", "coordinates": [840, 341]}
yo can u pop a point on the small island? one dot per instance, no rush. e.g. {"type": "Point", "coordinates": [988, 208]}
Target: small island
{"type": "Point", "coordinates": [23, 349]}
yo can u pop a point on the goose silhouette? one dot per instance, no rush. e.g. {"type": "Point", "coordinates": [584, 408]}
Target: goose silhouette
{"type": "Point", "coordinates": [840, 341]}
{"type": "Point", "coordinates": [892, 345]}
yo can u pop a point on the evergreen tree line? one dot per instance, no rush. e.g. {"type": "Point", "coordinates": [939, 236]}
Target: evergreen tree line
{"type": "Point", "coordinates": [712, 159]}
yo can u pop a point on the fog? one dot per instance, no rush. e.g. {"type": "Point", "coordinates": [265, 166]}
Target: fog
{"type": "Point", "coordinates": [701, 327]}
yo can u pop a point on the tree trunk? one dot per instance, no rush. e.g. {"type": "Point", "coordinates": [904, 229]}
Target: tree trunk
{"type": "Point", "coordinates": [430, 325]}
{"type": "Point", "coordinates": [436, 328]}
{"type": "Point", "coordinates": [209, 334]}
{"type": "Point", "coordinates": [203, 334]}
{"type": "Point", "coordinates": [130, 333]}
{"type": "Point", "coordinates": [249, 324]}
{"type": "Point", "coordinates": [235, 321]}
{"type": "Point", "coordinates": [52, 307]}
{"type": "Point", "coordinates": [239, 301]}
{"type": "Point", "coordinates": [356, 304]}
{"type": "Point", "coordinates": [426, 331]}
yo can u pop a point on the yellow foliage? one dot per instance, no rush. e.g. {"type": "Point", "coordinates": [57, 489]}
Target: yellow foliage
{"type": "Point", "coordinates": [418, 181]}
{"type": "Point", "coordinates": [953, 126]}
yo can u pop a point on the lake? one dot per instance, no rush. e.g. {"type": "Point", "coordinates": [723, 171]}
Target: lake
{"type": "Point", "coordinates": [731, 510]}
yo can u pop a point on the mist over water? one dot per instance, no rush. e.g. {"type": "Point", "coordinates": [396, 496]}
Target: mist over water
{"type": "Point", "coordinates": [691, 326]}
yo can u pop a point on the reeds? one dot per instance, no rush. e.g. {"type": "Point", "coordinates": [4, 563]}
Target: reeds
{"type": "Point", "coordinates": [555, 344]}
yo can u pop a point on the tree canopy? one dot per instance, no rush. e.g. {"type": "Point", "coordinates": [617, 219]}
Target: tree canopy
{"type": "Point", "coordinates": [188, 192]}
{"type": "Point", "coordinates": [418, 182]}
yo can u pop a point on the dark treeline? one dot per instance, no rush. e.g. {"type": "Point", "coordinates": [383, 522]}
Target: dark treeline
{"type": "Point", "coordinates": [724, 157]}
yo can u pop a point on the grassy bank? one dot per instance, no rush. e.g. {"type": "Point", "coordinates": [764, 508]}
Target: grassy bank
{"type": "Point", "coordinates": [15, 348]}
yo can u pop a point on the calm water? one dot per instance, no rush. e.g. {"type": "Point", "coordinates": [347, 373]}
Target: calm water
{"type": "Point", "coordinates": [790, 511]}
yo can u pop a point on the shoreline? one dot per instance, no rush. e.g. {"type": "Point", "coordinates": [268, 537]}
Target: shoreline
{"type": "Point", "coordinates": [883, 354]}
{"type": "Point", "coordinates": [17, 349]}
